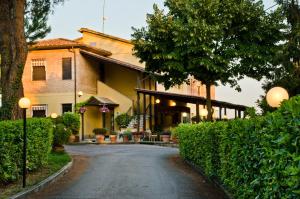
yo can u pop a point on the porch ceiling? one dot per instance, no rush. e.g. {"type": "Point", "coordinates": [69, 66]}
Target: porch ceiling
{"type": "Point", "coordinates": [190, 99]}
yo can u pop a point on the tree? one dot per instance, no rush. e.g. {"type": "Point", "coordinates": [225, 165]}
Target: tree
{"type": "Point", "coordinates": [287, 74]}
{"type": "Point", "coordinates": [214, 41]}
{"type": "Point", "coordinates": [15, 16]}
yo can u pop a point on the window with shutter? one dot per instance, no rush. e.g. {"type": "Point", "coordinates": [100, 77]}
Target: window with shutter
{"type": "Point", "coordinates": [38, 69]}
{"type": "Point", "coordinates": [39, 110]}
{"type": "Point", "coordinates": [66, 68]}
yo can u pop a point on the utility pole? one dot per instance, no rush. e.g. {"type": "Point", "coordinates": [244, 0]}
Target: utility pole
{"type": "Point", "coordinates": [103, 16]}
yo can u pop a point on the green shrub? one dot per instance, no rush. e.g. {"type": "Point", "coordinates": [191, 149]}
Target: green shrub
{"type": "Point", "coordinates": [123, 120]}
{"type": "Point", "coordinates": [72, 122]}
{"type": "Point", "coordinates": [61, 134]}
{"type": "Point", "coordinates": [253, 158]}
{"type": "Point", "coordinates": [100, 131]}
{"type": "Point", "coordinates": [39, 135]}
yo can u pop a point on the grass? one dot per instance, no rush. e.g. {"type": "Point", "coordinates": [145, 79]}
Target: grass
{"type": "Point", "coordinates": [56, 161]}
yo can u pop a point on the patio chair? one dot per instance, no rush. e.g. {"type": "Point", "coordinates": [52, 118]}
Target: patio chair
{"type": "Point", "coordinates": [152, 137]}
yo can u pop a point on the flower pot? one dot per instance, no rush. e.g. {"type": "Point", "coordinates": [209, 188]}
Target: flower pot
{"type": "Point", "coordinates": [72, 138]}
{"type": "Point", "coordinates": [165, 138]}
{"type": "Point", "coordinates": [100, 138]}
{"type": "Point", "coordinates": [125, 139]}
{"type": "Point", "coordinates": [113, 138]}
{"type": "Point", "coordinates": [137, 138]}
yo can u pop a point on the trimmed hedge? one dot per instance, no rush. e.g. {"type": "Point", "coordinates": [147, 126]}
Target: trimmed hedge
{"type": "Point", "coordinates": [253, 158]}
{"type": "Point", "coordinates": [39, 134]}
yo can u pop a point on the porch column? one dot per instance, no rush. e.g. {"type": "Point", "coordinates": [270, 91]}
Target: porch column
{"type": "Point", "coordinates": [239, 114]}
{"type": "Point", "coordinates": [235, 115]}
{"type": "Point", "coordinates": [103, 120]}
{"type": "Point", "coordinates": [197, 113]}
{"type": "Point", "coordinates": [112, 127]}
{"type": "Point", "coordinates": [138, 112]}
{"type": "Point", "coordinates": [150, 113]}
{"type": "Point", "coordinates": [220, 112]}
{"type": "Point", "coordinates": [145, 112]}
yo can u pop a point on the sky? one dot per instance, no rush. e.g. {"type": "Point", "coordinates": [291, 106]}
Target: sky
{"type": "Point", "coordinates": [121, 16]}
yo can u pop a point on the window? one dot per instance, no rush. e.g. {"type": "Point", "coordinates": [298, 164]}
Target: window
{"type": "Point", "coordinates": [39, 110]}
{"type": "Point", "coordinates": [66, 108]}
{"type": "Point", "coordinates": [38, 69]}
{"type": "Point", "coordinates": [66, 68]}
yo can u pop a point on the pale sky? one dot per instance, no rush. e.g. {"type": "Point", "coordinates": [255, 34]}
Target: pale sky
{"type": "Point", "coordinates": [120, 16]}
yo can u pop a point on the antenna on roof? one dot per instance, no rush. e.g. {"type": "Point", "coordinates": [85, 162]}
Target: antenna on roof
{"type": "Point", "coordinates": [103, 16]}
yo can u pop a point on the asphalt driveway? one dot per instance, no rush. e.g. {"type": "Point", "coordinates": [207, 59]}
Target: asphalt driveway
{"type": "Point", "coordinates": [129, 172]}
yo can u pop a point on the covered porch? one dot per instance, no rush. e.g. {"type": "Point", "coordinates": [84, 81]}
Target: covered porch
{"type": "Point", "coordinates": [97, 112]}
{"type": "Point", "coordinates": [157, 108]}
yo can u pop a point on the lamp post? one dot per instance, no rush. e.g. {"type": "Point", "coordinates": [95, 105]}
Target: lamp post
{"type": "Point", "coordinates": [24, 103]}
{"type": "Point", "coordinates": [82, 111]}
{"type": "Point", "coordinates": [276, 95]}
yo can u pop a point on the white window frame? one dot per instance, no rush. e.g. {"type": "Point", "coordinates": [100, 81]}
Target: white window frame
{"type": "Point", "coordinates": [45, 64]}
{"type": "Point", "coordinates": [39, 105]}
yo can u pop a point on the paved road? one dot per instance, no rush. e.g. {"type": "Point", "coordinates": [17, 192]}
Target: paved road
{"type": "Point", "coordinates": [129, 172]}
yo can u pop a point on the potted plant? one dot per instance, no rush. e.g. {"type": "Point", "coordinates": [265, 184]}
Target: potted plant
{"type": "Point", "coordinates": [72, 122]}
{"type": "Point", "coordinates": [113, 137]}
{"type": "Point", "coordinates": [123, 120]}
{"type": "Point", "coordinates": [100, 134]}
{"type": "Point", "coordinates": [137, 136]}
{"type": "Point", "coordinates": [165, 136]}
{"type": "Point", "coordinates": [60, 136]}
{"type": "Point", "coordinates": [174, 136]}
{"type": "Point", "coordinates": [126, 135]}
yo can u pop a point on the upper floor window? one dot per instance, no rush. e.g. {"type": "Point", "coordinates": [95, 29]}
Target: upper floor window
{"type": "Point", "coordinates": [38, 69]}
{"type": "Point", "coordinates": [67, 68]}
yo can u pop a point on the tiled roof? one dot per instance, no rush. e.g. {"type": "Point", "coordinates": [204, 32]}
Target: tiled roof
{"type": "Point", "coordinates": [61, 43]}
{"type": "Point", "coordinates": [54, 42]}
{"type": "Point", "coordinates": [82, 30]}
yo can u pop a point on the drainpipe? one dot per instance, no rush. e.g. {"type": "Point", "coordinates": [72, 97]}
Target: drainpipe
{"type": "Point", "coordinates": [75, 79]}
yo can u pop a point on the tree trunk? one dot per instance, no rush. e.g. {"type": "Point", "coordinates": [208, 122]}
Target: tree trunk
{"type": "Point", "coordinates": [13, 51]}
{"type": "Point", "coordinates": [208, 101]}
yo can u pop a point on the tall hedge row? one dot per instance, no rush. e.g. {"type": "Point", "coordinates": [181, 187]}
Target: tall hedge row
{"type": "Point", "coordinates": [11, 146]}
{"type": "Point", "coordinates": [253, 158]}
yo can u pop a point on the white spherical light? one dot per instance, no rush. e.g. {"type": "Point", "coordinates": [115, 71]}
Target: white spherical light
{"type": "Point", "coordinates": [53, 115]}
{"type": "Point", "coordinates": [184, 114]}
{"type": "Point", "coordinates": [276, 95]}
{"type": "Point", "coordinates": [24, 102]}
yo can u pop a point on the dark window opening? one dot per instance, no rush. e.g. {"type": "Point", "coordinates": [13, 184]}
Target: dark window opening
{"type": "Point", "coordinates": [38, 72]}
{"type": "Point", "coordinates": [39, 113]}
{"type": "Point", "coordinates": [102, 72]}
{"type": "Point", "coordinates": [66, 108]}
{"type": "Point", "coordinates": [66, 68]}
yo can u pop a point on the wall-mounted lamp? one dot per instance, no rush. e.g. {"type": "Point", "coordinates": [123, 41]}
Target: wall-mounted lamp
{"type": "Point", "coordinates": [157, 101]}
{"type": "Point", "coordinates": [172, 103]}
{"type": "Point", "coordinates": [80, 93]}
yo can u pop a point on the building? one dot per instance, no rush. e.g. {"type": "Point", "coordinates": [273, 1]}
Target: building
{"type": "Point", "coordinates": [103, 68]}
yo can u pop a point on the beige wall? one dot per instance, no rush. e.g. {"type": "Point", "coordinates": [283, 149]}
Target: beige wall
{"type": "Point", "coordinates": [120, 50]}
{"type": "Point", "coordinates": [54, 82]}
{"type": "Point", "coordinates": [121, 79]}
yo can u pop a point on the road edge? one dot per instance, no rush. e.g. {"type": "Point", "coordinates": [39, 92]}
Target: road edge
{"type": "Point", "coordinates": [44, 183]}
